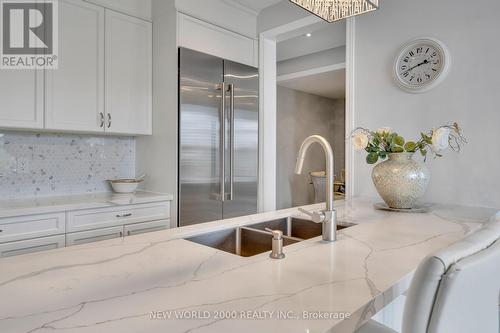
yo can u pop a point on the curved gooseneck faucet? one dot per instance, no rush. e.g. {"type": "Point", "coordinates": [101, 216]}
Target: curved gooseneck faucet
{"type": "Point", "coordinates": [328, 217]}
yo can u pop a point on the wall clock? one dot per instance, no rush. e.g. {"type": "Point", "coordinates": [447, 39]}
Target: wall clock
{"type": "Point", "coordinates": [421, 65]}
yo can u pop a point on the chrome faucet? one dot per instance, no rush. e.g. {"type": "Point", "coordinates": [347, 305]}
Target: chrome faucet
{"type": "Point", "coordinates": [327, 217]}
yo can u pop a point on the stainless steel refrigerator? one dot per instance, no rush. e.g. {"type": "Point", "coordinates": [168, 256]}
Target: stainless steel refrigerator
{"type": "Point", "coordinates": [218, 138]}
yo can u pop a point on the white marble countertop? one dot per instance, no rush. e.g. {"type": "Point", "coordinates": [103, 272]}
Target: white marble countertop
{"type": "Point", "coordinates": [54, 204]}
{"type": "Point", "coordinates": [115, 285]}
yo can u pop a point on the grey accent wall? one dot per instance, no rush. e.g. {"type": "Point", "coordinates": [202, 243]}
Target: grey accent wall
{"type": "Point", "coordinates": [468, 95]}
{"type": "Point", "coordinates": [299, 115]}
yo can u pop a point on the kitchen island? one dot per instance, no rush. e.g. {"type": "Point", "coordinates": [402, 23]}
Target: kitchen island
{"type": "Point", "coordinates": [160, 282]}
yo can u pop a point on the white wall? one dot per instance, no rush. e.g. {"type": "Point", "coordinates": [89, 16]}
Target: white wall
{"type": "Point", "coordinates": [157, 155]}
{"type": "Point", "coordinates": [469, 94]}
{"type": "Point", "coordinates": [315, 60]}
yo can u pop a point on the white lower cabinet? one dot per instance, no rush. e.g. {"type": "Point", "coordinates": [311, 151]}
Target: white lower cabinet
{"type": "Point", "coordinates": [140, 228]}
{"type": "Point", "coordinates": [31, 226]}
{"type": "Point", "coordinates": [39, 232]}
{"type": "Point", "coordinates": [76, 238]}
{"type": "Point", "coordinates": [31, 245]}
{"type": "Point", "coordinates": [91, 219]}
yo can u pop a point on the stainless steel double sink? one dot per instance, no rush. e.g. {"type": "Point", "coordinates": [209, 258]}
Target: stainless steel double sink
{"type": "Point", "coordinates": [253, 239]}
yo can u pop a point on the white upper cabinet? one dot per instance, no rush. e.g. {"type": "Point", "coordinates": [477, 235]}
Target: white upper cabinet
{"type": "Point", "coordinates": [74, 93]}
{"type": "Point", "coordinates": [204, 37]}
{"type": "Point", "coordinates": [21, 98]}
{"type": "Point", "coordinates": [128, 74]}
{"type": "Point", "coordinates": [137, 8]}
{"type": "Point", "coordinates": [103, 83]}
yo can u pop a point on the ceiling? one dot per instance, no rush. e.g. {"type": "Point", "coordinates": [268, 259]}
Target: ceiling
{"type": "Point", "coordinates": [323, 37]}
{"type": "Point", "coordinates": [256, 5]}
{"type": "Point", "coordinates": [329, 84]}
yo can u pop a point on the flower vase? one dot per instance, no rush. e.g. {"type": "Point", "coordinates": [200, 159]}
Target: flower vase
{"type": "Point", "coordinates": [400, 181]}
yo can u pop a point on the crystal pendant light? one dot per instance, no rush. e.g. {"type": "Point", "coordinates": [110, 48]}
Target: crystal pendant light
{"type": "Point", "coordinates": [335, 10]}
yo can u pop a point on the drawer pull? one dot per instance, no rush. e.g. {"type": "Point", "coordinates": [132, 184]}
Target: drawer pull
{"type": "Point", "coordinates": [128, 232]}
{"type": "Point", "coordinates": [124, 215]}
{"type": "Point", "coordinates": [1, 230]}
{"type": "Point", "coordinates": [121, 233]}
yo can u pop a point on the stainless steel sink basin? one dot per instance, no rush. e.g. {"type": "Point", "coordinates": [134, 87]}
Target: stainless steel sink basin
{"type": "Point", "coordinates": [254, 239]}
{"type": "Point", "coordinates": [293, 227]}
{"type": "Point", "coordinates": [242, 241]}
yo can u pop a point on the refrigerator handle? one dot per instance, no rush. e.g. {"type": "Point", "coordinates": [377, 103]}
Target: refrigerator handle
{"type": "Point", "coordinates": [231, 141]}
{"type": "Point", "coordinates": [222, 153]}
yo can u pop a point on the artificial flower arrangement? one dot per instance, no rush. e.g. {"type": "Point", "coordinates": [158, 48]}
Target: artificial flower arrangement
{"type": "Point", "coordinates": [378, 144]}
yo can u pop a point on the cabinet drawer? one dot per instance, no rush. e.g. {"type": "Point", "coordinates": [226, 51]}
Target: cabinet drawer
{"type": "Point", "coordinates": [140, 228]}
{"type": "Point", "coordinates": [113, 216]}
{"type": "Point", "coordinates": [31, 245]}
{"type": "Point", "coordinates": [31, 226]}
{"type": "Point", "coordinates": [83, 237]}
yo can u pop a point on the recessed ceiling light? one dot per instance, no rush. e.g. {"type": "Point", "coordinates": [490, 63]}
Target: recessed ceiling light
{"type": "Point", "coordinates": [308, 34]}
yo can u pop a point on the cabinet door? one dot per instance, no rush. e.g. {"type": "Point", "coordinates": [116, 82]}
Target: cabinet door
{"type": "Point", "coordinates": [75, 91]}
{"type": "Point", "coordinates": [31, 226]}
{"type": "Point", "coordinates": [90, 236]}
{"type": "Point", "coordinates": [128, 74]}
{"type": "Point", "coordinates": [31, 245]}
{"type": "Point", "coordinates": [141, 228]}
{"type": "Point", "coordinates": [21, 95]}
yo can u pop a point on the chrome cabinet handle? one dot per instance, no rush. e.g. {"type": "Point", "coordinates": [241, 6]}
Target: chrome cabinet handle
{"type": "Point", "coordinates": [231, 141]}
{"type": "Point", "coordinates": [102, 119]}
{"type": "Point", "coordinates": [128, 232]}
{"type": "Point", "coordinates": [124, 215]}
{"type": "Point", "coordinates": [1, 230]}
{"type": "Point", "coordinates": [223, 143]}
{"type": "Point", "coordinates": [109, 120]}
{"type": "Point", "coordinates": [121, 233]}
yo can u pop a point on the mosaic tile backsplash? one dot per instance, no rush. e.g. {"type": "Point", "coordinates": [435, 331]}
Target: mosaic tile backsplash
{"type": "Point", "coordinates": [59, 164]}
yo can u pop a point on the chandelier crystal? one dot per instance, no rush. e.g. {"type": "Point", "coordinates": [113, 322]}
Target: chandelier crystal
{"type": "Point", "coordinates": [335, 10]}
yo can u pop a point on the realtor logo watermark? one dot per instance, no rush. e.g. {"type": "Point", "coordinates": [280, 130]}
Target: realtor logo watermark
{"type": "Point", "coordinates": [28, 35]}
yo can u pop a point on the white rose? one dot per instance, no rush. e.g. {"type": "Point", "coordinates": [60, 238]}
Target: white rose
{"type": "Point", "coordinates": [383, 130]}
{"type": "Point", "coordinates": [440, 139]}
{"type": "Point", "coordinates": [360, 141]}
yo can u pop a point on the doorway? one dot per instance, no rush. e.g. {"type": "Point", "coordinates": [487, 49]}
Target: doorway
{"type": "Point", "coordinates": [311, 94]}
{"type": "Point", "coordinates": [310, 99]}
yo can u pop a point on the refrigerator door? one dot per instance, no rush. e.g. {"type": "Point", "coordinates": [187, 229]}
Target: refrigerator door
{"type": "Point", "coordinates": [200, 102]}
{"type": "Point", "coordinates": [242, 145]}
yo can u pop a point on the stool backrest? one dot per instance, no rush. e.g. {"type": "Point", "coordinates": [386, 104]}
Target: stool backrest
{"type": "Point", "coordinates": [457, 289]}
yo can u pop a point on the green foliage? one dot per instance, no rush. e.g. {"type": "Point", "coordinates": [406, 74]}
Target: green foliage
{"type": "Point", "coordinates": [372, 158]}
{"type": "Point", "coordinates": [410, 146]}
{"type": "Point", "coordinates": [384, 142]}
{"type": "Point", "coordinates": [398, 140]}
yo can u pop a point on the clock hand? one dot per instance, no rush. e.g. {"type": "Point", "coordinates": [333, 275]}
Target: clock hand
{"type": "Point", "coordinates": [422, 63]}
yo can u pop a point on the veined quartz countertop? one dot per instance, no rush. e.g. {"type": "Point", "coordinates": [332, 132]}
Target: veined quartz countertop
{"type": "Point", "coordinates": [53, 204]}
{"type": "Point", "coordinates": [121, 285]}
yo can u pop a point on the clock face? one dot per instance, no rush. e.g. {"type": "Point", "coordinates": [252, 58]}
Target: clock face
{"type": "Point", "coordinates": [420, 64]}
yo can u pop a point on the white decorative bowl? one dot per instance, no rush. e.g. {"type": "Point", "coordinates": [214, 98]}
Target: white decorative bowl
{"type": "Point", "coordinates": [124, 185]}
